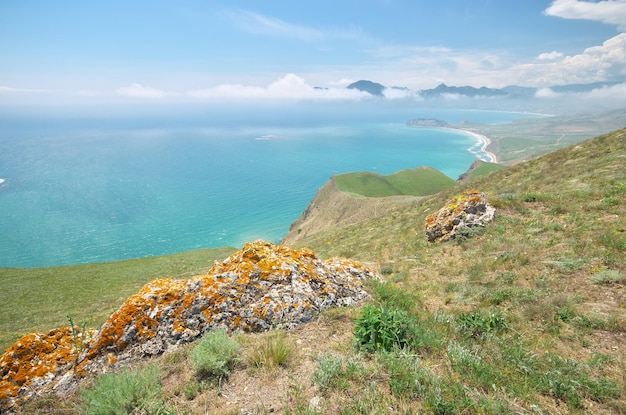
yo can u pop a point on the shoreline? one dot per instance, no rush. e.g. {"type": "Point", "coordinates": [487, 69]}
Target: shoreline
{"type": "Point", "coordinates": [481, 138]}
{"type": "Point", "coordinates": [485, 143]}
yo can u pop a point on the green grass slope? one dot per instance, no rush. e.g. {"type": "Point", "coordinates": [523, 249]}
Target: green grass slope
{"type": "Point", "coordinates": [482, 168]}
{"type": "Point", "coordinates": [421, 181]}
{"type": "Point", "coordinates": [531, 312]}
{"type": "Point", "coordinates": [39, 299]}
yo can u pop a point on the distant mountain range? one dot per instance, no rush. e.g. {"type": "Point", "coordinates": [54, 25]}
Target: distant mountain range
{"type": "Point", "coordinates": [442, 90]}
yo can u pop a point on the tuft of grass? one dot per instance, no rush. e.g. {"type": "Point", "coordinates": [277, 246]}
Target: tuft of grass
{"type": "Point", "coordinates": [214, 355]}
{"type": "Point", "coordinates": [126, 392]}
{"type": "Point", "coordinates": [269, 351]}
{"type": "Point", "coordinates": [388, 294]}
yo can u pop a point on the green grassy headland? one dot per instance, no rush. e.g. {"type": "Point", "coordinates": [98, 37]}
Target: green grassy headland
{"type": "Point", "coordinates": [421, 181]}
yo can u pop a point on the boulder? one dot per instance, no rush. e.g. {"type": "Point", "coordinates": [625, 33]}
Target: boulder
{"type": "Point", "coordinates": [262, 286]}
{"type": "Point", "coordinates": [467, 210]}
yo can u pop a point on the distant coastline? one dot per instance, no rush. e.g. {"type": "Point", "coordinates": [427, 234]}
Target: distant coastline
{"type": "Point", "coordinates": [485, 144]}
{"type": "Point", "coordinates": [444, 125]}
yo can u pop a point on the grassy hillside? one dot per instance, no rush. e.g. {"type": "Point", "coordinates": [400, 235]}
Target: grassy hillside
{"type": "Point", "coordinates": [39, 299]}
{"type": "Point", "coordinates": [526, 316]}
{"type": "Point", "coordinates": [480, 168]}
{"type": "Point", "coordinates": [421, 181]}
{"type": "Point", "coordinates": [551, 269]}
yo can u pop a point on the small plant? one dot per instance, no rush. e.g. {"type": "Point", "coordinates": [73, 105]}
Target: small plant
{"type": "Point", "coordinates": [388, 295]}
{"type": "Point", "coordinates": [78, 334]}
{"type": "Point", "coordinates": [126, 392]}
{"type": "Point", "coordinates": [608, 276]}
{"type": "Point", "coordinates": [192, 388]}
{"type": "Point", "coordinates": [533, 197]}
{"type": "Point", "coordinates": [380, 328]}
{"type": "Point", "coordinates": [463, 233]}
{"type": "Point", "coordinates": [214, 355]}
{"type": "Point", "coordinates": [386, 269]}
{"type": "Point", "coordinates": [270, 351]}
{"type": "Point", "coordinates": [328, 371]}
{"type": "Point", "coordinates": [407, 379]}
{"type": "Point", "coordinates": [479, 323]}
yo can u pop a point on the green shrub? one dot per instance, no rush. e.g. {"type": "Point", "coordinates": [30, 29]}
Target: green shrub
{"type": "Point", "coordinates": [380, 328]}
{"type": "Point", "coordinates": [214, 355]}
{"type": "Point", "coordinates": [126, 392]}
{"type": "Point", "coordinates": [478, 323]}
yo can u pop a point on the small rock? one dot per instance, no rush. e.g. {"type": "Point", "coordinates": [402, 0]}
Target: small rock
{"type": "Point", "coordinates": [467, 210]}
{"type": "Point", "coordinates": [316, 403]}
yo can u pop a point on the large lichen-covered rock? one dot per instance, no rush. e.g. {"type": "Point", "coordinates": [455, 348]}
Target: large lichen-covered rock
{"type": "Point", "coordinates": [262, 286]}
{"type": "Point", "coordinates": [467, 210]}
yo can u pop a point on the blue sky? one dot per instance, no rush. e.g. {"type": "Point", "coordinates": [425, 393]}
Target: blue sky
{"type": "Point", "coordinates": [186, 50]}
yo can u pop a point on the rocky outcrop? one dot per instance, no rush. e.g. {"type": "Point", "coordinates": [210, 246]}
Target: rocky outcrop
{"type": "Point", "coordinates": [467, 210]}
{"type": "Point", "coordinates": [262, 286]}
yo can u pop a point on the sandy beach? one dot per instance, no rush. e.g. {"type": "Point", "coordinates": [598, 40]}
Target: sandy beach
{"type": "Point", "coordinates": [483, 139]}
{"type": "Point", "coordinates": [486, 141]}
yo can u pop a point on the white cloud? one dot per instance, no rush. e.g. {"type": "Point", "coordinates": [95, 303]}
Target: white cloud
{"type": "Point", "coordinates": [546, 93]}
{"type": "Point", "coordinates": [257, 23]}
{"type": "Point", "coordinates": [343, 82]}
{"type": "Point", "coordinates": [550, 56]}
{"type": "Point", "coordinates": [607, 11]}
{"type": "Point", "coordinates": [11, 90]}
{"type": "Point", "coordinates": [612, 93]}
{"type": "Point", "coordinates": [600, 98]}
{"type": "Point", "coordinates": [597, 63]}
{"type": "Point", "coordinates": [260, 24]}
{"type": "Point", "coordinates": [289, 87]}
{"type": "Point", "coordinates": [141, 91]}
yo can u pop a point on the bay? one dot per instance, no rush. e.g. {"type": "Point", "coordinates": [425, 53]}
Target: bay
{"type": "Point", "coordinates": [76, 191]}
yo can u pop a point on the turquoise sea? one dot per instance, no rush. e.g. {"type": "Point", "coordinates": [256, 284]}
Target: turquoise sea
{"type": "Point", "coordinates": [110, 188]}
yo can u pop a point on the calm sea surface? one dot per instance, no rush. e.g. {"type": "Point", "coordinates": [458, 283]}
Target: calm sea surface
{"type": "Point", "coordinates": [110, 189]}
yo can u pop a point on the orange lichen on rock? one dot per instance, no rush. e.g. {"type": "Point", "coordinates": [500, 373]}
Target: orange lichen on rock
{"type": "Point", "coordinates": [469, 209]}
{"type": "Point", "coordinates": [259, 287]}
{"type": "Point", "coordinates": [36, 357]}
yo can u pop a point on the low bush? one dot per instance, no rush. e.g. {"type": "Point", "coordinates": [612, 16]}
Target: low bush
{"type": "Point", "coordinates": [380, 328]}
{"type": "Point", "coordinates": [328, 372]}
{"type": "Point", "coordinates": [126, 392]}
{"type": "Point", "coordinates": [214, 355]}
{"type": "Point", "coordinates": [608, 276]}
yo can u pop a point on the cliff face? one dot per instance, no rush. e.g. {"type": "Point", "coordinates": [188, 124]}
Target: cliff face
{"type": "Point", "coordinates": [330, 207]}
